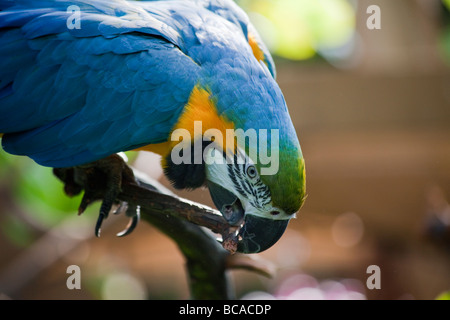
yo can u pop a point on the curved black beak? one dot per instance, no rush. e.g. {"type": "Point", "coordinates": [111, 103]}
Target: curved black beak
{"type": "Point", "coordinates": [259, 234]}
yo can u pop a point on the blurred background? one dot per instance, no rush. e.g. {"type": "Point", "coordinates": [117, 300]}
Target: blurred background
{"type": "Point", "coordinates": [372, 111]}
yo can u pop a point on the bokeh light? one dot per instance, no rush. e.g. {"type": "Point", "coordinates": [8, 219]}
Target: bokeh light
{"type": "Point", "coordinates": [347, 229]}
{"type": "Point", "coordinates": [123, 286]}
{"type": "Point", "coordinates": [306, 287]}
{"type": "Point", "coordinates": [298, 29]}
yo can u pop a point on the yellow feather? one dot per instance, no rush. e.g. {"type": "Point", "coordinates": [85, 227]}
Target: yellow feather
{"type": "Point", "coordinates": [257, 52]}
{"type": "Point", "coordinates": [200, 107]}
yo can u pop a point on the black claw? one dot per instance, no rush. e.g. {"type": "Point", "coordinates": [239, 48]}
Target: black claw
{"type": "Point", "coordinates": [132, 224]}
{"type": "Point", "coordinates": [105, 208]}
{"type": "Point", "coordinates": [98, 225]}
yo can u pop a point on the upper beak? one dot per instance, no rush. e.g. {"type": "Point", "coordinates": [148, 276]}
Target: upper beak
{"type": "Point", "coordinates": [258, 233]}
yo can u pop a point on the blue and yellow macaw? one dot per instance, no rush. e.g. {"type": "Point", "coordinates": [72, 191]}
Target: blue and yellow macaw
{"type": "Point", "coordinates": [130, 74]}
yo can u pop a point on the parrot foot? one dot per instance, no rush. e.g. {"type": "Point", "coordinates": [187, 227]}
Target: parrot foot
{"type": "Point", "coordinates": [101, 180]}
{"type": "Point", "coordinates": [133, 212]}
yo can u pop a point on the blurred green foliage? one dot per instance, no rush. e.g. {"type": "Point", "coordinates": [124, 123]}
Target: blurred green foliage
{"type": "Point", "coordinates": [444, 42]}
{"type": "Point", "coordinates": [446, 3]}
{"type": "Point", "coordinates": [36, 190]}
{"type": "Point", "coordinates": [444, 296]}
{"type": "Point", "coordinates": [298, 29]}
{"type": "Point", "coordinates": [16, 231]}
{"type": "Point", "coordinates": [38, 195]}
{"type": "Point", "coordinates": [35, 193]}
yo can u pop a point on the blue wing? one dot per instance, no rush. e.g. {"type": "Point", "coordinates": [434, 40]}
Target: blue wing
{"type": "Point", "coordinates": [72, 96]}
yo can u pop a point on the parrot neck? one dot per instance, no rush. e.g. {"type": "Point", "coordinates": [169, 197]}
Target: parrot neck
{"type": "Point", "coordinates": [198, 119]}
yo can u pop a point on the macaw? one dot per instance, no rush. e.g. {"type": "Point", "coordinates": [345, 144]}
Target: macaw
{"type": "Point", "coordinates": [81, 80]}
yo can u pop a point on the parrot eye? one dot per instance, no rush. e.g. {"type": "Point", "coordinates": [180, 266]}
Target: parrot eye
{"type": "Point", "coordinates": [251, 171]}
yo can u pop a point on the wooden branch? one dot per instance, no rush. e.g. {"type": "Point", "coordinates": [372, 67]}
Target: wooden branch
{"type": "Point", "coordinates": [147, 196]}
{"type": "Point", "coordinates": [251, 263]}
{"type": "Point", "coordinates": [181, 220]}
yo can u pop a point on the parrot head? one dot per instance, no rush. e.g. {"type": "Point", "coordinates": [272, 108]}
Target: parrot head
{"type": "Point", "coordinates": [237, 92]}
{"type": "Point", "coordinates": [241, 193]}
{"type": "Point", "coordinates": [259, 180]}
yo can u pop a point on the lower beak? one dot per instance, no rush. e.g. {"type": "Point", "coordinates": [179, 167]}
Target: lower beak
{"type": "Point", "coordinates": [259, 234]}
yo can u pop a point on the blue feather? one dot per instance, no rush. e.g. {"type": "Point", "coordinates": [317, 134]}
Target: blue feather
{"type": "Point", "coordinates": [72, 96]}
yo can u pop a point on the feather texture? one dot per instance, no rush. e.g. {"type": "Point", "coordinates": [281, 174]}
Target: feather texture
{"type": "Point", "coordinates": [122, 80]}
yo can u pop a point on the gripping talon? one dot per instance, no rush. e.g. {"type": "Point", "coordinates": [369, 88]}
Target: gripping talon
{"type": "Point", "coordinates": [132, 224]}
{"type": "Point", "coordinates": [101, 180]}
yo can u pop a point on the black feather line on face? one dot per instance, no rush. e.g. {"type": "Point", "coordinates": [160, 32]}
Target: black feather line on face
{"type": "Point", "coordinates": [251, 188]}
{"type": "Point", "coordinates": [246, 186]}
{"type": "Point", "coordinates": [232, 175]}
{"type": "Point", "coordinates": [257, 193]}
